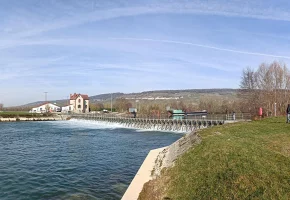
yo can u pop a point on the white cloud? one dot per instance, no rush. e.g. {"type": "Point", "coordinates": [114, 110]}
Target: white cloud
{"type": "Point", "coordinates": [24, 67]}
{"type": "Point", "coordinates": [63, 15]}
{"type": "Point", "coordinates": [206, 46]}
{"type": "Point", "coordinates": [24, 26]}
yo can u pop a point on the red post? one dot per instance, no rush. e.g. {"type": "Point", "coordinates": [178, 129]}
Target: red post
{"type": "Point", "coordinates": [260, 112]}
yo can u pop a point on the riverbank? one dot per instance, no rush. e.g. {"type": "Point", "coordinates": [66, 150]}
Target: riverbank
{"type": "Point", "coordinates": [158, 159]}
{"type": "Point", "coordinates": [143, 175]}
{"type": "Point", "coordinates": [15, 117]}
{"type": "Point", "coordinates": [30, 119]}
{"type": "Point", "coordinates": [236, 161]}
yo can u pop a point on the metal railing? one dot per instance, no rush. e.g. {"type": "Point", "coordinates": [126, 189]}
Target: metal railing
{"type": "Point", "coordinates": [211, 117]}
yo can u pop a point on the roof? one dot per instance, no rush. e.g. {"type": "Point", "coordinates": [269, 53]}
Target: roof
{"type": "Point", "coordinates": [85, 96]}
{"type": "Point", "coordinates": [75, 96]}
{"type": "Point", "coordinates": [47, 103]}
{"type": "Point", "coordinates": [65, 105]}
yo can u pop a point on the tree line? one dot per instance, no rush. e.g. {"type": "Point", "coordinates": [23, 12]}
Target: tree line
{"type": "Point", "coordinates": [213, 104]}
{"type": "Point", "coordinates": [267, 87]}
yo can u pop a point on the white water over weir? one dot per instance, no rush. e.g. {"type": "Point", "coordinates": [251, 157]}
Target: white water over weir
{"type": "Point", "coordinates": [176, 125]}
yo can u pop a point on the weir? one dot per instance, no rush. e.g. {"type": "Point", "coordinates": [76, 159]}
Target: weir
{"type": "Point", "coordinates": [178, 125]}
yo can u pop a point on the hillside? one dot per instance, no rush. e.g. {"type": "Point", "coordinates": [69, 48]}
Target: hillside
{"type": "Point", "coordinates": [190, 94]}
{"type": "Point", "coordinates": [248, 160]}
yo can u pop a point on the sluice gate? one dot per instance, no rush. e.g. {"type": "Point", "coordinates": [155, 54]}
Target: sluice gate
{"type": "Point", "coordinates": [178, 125]}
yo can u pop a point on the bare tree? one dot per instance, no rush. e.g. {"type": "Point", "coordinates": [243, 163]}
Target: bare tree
{"type": "Point", "coordinates": [122, 104]}
{"type": "Point", "coordinates": [267, 87]}
{"type": "Point", "coordinates": [248, 79]}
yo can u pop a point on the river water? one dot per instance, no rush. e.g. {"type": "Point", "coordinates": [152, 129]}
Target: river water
{"type": "Point", "coordinates": [72, 159]}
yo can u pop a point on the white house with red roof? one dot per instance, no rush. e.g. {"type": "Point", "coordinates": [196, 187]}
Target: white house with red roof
{"type": "Point", "coordinates": [46, 107]}
{"type": "Point", "coordinates": [80, 103]}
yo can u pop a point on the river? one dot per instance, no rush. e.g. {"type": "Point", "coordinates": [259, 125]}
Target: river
{"type": "Point", "coordinates": [72, 159]}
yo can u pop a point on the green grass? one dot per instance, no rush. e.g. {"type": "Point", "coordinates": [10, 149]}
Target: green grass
{"type": "Point", "coordinates": [249, 160]}
{"type": "Point", "coordinates": [12, 114]}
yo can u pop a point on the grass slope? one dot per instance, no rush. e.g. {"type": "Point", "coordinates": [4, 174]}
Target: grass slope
{"type": "Point", "coordinates": [12, 114]}
{"type": "Point", "coordinates": [249, 160]}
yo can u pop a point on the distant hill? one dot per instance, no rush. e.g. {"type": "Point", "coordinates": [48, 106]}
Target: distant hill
{"type": "Point", "coordinates": [104, 97]}
{"type": "Point", "coordinates": [192, 94]}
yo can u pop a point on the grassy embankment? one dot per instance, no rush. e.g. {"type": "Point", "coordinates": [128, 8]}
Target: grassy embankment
{"type": "Point", "coordinates": [248, 160]}
{"type": "Point", "coordinates": [16, 114]}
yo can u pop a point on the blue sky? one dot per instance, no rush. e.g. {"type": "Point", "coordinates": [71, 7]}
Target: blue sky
{"type": "Point", "coordinates": [94, 46]}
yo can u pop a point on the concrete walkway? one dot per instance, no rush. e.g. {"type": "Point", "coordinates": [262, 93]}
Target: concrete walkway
{"type": "Point", "coordinates": [143, 175]}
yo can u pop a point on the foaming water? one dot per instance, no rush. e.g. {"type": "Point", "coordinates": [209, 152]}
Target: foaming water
{"type": "Point", "coordinates": [77, 123]}
{"type": "Point", "coordinates": [90, 124]}
{"type": "Point", "coordinates": [72, 159]}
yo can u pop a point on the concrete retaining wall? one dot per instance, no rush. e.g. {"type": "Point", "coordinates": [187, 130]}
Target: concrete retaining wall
{"type": "Point", "coordinates": [158, 159]}
{"type": "Point", "coordinates": [143, 175]}
{"type": "Point", "coordinates": [30, 119]}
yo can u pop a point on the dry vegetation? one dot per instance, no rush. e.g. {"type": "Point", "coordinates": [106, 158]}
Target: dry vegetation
{"type": "Point", "coordinates": [268, 85]}
{"type": "Point", "coordinates": [213, 103]}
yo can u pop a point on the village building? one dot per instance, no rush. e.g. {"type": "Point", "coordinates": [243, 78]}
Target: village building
{"type": "Point", "coordinates": [80, 103]}
{"type": "Point", "coordinates": [67, 109]}
{"type": "Point", "coordinates": [46, 107]}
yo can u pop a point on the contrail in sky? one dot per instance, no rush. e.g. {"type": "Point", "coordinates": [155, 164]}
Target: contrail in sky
{"type": "Point", "coordinates": [205, 46]}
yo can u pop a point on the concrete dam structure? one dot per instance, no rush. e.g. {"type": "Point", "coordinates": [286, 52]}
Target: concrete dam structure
{"type": "Point", "coordinates": [178, 125]}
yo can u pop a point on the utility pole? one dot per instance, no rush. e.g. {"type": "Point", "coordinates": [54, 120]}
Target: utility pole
{"type": "Point", "coordinates": [275, 108]}
{"type": "Point", "coordinates": [137, 104]}
{"type": "Point", "coordinates": [68, 104]}
{"type": "Point", "coordinates": [111, 102]}
{"type": "Point", "coordinates": [45, 96]}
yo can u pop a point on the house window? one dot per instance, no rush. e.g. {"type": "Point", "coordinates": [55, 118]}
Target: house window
{"type": "Point", "coordinates": [79, 106]}
{"type": "Point", "coordinates": [79, 100]}
{"type": "Point", "coordinates": [86, 106]}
